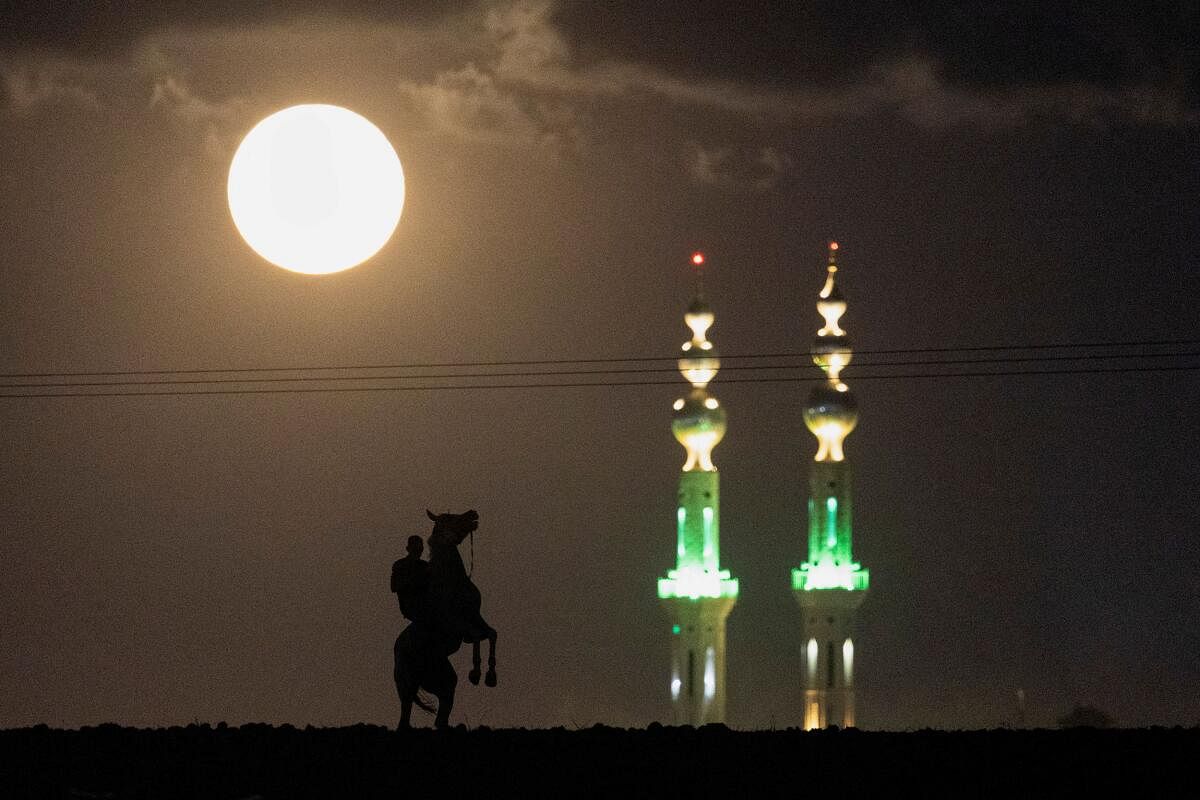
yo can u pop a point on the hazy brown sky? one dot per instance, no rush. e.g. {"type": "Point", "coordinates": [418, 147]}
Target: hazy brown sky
{"type": "Point", "coordinates": [995, 177]}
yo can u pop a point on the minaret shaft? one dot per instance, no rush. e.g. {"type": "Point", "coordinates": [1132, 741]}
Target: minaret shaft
{"type": "Point", "coordinates": [699, 520]}
{"type": "Point", "coordinates": [829, 512]}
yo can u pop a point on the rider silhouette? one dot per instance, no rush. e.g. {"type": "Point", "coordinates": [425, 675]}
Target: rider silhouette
{"type": "Point", "coordinates": [410, 582]}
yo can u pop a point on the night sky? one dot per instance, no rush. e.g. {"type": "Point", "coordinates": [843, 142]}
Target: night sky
{"type": "Point", "coordinates": [997, 174]}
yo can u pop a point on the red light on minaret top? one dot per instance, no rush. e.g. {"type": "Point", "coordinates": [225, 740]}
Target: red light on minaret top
{"type": "Point", "coordinates": [697, 258]}
{"type": "Point", "coordinates": [833, 245]}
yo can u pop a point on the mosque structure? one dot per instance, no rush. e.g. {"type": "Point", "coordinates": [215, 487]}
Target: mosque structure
{"type": "Point", "coordinates": [698, 595]}
{"type": "Point", "coordinates": [830, 585]}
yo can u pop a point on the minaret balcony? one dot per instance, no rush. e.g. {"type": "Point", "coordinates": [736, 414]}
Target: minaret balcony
{"type": "Point", "coordinates": [851, 577]}
{"type": "Point", "coordinates": [695, 584]}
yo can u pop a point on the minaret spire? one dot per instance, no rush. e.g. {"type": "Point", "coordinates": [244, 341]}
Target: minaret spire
{"type": "Point", "coordinates": [832, 412]}
{"type": "Point", "coordinates": [832, 304]}
{"type": "Point", "coordinates": [830, 586]}
{"type": "Point", "coordinates": [698, 594]}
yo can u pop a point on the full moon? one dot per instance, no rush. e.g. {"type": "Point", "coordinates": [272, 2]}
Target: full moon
{"type": "Point", "coordinates": [316, 189]}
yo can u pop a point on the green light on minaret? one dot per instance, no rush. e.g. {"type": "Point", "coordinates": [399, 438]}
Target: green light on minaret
{"type": "Point", "coordinates": [697, 571]}
{"type": "Point", "coordinates": [708, 535]}
{"type": "Point", "coordinates": [831, 522]}
{"type": "Point", "coordinates": [681, 516]}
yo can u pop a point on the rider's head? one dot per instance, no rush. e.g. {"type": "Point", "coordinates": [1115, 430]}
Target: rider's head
{"type": "Point", "coordinates": [416, 546]}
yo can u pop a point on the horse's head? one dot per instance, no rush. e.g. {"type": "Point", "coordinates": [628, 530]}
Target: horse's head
{"type": "Point", "coordinates": [457, 524]}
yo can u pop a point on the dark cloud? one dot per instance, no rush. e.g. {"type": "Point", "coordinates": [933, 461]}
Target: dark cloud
{"type": "Point", "coordinates": [979, 43]}
{"type": "Point", "coordinates": [779, 43]}
{"type": "Point", "coordinates": [101, 28]}
{"type": "Point", "coordinates": [979, 53]}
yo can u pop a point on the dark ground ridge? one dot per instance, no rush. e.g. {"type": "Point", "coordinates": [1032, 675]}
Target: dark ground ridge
{"type": "Point", "coordinates": [256, 760]}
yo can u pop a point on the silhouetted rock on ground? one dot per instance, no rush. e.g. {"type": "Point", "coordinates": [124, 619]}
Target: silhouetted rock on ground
{"type": "Point", "coordinates": [259, 760]}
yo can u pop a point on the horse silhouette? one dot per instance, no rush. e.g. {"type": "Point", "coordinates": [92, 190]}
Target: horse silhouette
{"type": "Point", "coordinates": [421, 653]}
{"type": "Point", "coordinates": [454, 599]}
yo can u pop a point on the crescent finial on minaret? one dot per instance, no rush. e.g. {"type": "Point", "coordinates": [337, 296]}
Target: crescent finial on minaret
{"type": "Point", "coordinates": [831, 305]}
{"type": "Point", "coordinates": [829, 290]}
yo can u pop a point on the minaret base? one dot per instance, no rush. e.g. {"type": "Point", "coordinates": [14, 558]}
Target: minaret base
{"type": "Point", "coordinates": [698, 658]}
{"type": "Point", "coordinates": [828, 624]}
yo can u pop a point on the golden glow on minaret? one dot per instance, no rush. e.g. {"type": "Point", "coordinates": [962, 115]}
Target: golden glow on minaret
{"type": "Point", "coordinates": [699, 363]}
{"type": "Point", "coordinates": [831, 306]}
{"type": "Point", "coordinates": [699, 423]}
{"type": "Point", "coordinates": [831, 412]}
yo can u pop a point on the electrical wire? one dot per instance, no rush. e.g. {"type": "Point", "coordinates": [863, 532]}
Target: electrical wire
{"type": "Point", "coordinates": [557, 373]}
{"type": "Point", "coordinates": [186, 382]}
{"type": "Point", "coordinates": [588, 384]}
{"type": "Point", "coordinates": [565, 361]}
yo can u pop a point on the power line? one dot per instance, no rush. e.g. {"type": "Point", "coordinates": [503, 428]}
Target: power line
{"type": "Point", "coordinates": [559, 373]}
{"type": "Point", "coordinates": [564, 361]}
{"type": "Point", "coordinates": [588, 384]}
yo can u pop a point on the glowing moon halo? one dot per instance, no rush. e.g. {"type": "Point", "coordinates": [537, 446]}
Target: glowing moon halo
{"type": "Point", "coordinates": [316, 189]}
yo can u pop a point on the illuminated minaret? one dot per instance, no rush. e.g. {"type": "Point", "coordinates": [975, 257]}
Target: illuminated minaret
{"type": "Point", "coordinates": [698, 594]}
{"type": "Point", "coordinates": [829, 585]}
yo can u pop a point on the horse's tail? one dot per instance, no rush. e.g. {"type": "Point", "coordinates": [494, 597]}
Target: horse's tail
{"type": "Point", "coordinates": [425, 701]}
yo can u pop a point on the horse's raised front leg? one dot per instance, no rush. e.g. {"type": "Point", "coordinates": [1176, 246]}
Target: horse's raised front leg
{"type": "Point", "coordinates": [490, 679]}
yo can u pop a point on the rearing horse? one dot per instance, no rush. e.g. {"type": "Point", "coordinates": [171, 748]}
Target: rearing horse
{"type": "Point", "coordinates": [454, 599]}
